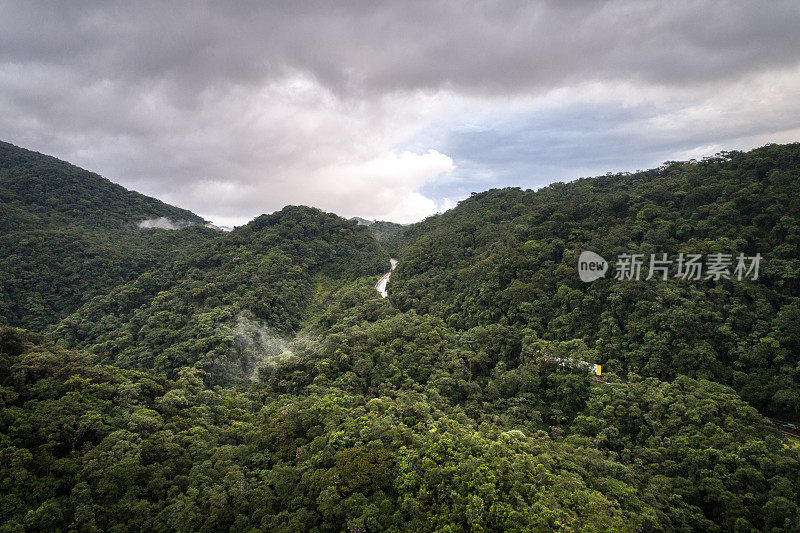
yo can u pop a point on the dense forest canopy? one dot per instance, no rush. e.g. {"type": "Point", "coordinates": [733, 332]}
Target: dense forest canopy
{"type": "Point", "coordinates": [54, 190]}
{"type": "Point", "coordinates": [510, 257]}
{"type": "Point", "coordinates": [255, 380]}
{"type": "Point", "coordinates": [68, 235]}
{"type": "Point", "coordinates": [205, 311]}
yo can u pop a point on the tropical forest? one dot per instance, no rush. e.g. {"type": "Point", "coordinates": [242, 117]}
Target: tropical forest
{"type": "Point", "coordinates": [192, 379]}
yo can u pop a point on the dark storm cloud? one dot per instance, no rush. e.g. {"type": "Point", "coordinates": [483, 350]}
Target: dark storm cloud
{"type": "Point", "coordinates": [230, 109]}
{"type": "Point", "coordinates": [355, 46]}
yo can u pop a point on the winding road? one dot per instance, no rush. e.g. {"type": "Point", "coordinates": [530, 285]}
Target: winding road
{"type": "Point", "coordinates": [381, 285]}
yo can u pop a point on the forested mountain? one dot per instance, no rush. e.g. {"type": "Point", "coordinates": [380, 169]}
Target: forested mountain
{"type": "Point", "coordinates": [209, 309]}
{"type": "Point", "coordinates": [387, 233]}
{"type": "Point", "coordinates": [510, 257]}
{"type": "Point", "coordinates": [67, 235]}
{"type": "Point", "coordinates": [57, 192]}
{"type": "Point", "coordinates": [256, 380]}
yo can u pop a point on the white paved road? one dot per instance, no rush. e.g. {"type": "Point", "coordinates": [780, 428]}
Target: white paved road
{"type": "Point", "coordinates": [381, 285]}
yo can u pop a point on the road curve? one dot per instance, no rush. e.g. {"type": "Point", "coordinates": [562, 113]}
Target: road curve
{"type": "Point", "coordinates": [381, 285]}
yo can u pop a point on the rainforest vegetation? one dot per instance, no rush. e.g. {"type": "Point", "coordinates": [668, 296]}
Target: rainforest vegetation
{"type": "Point", "coordinates": [194, 380]}
{"type": "Point", "coordinates": [68, 235]}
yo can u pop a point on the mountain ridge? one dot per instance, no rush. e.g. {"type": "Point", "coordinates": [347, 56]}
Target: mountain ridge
{"type": "Point", "coordinates": [31, 179]}
{"type": "Point", "coordinates": [68, 235]}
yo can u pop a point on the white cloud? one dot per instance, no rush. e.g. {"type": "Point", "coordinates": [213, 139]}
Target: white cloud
{"type": "Point", "coordinates": [294, 142]}
{"type": "Point", "coordinates": [233, 111]}
{"type": "Point", "coordinates": [385, 187]}
{"type": "Point", "coordinates": [162, 223]}
{"type": "Point", "coordinates": [244, 150]}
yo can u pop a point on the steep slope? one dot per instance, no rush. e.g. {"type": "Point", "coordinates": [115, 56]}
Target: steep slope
{"type": "Point", "coordinates": [509, 257]}
{"type": "Point", "coordinates": [68, 235]}
{"type": "Point", "coordinates": [209, 309]}
{"type": "Point", "coordinates": [55, 191]}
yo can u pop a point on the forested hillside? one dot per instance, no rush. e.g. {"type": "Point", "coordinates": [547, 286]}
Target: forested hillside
{"type": "Point", "coordinates": [510, 257]}
{"type": "Point", "coordinates": [57, 192]}
{"type": "Point", "coordinates": [389, 234]}
{"type": "Point", "coordinates": [256, 380]}
{"type": "Point", "coordinates": [328, 442]}
{"type": "Point", "coordinates": [67, 235]}
{"type": "Point", "coordinates": [215, 309]}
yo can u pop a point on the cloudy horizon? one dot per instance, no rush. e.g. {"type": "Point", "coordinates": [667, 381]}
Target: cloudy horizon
{"type": "Point", "coordinates": [389, 110]}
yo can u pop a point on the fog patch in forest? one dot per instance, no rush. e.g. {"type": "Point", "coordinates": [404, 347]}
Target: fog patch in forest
{"type": "Point", "coordinates": [168, 224]}
{"type": "Point", "coordinates": [163, 223]}
{"type": "Point", "coordinates": [259, 346]}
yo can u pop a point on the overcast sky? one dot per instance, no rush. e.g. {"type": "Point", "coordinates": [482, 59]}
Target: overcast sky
{"type": "Point", "coordinates": [389, 110]}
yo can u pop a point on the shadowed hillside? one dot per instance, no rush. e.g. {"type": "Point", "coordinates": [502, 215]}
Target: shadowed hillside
{"type": "Point", "coordinates": [68, 235]}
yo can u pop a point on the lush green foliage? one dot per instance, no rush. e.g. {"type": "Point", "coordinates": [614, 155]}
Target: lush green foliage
{"type": "Point", "coordinates": [204, 311]}
{"type": "Point", "coordinates": [510, 257]}
{"type": "Point", "coordinates": [56, 191]}
{"type": "Point", "coordinates": [91, 446]}
{"type": "Point", "coordinates": [256, 381]}
{"type": "Point", "coordinates": [68, 235]}
{"type": "Point", "coordinates": [389, 234]}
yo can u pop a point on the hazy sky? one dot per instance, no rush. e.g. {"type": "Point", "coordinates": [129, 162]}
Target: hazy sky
{"type": "Point", "coordinates": [389, 110]}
